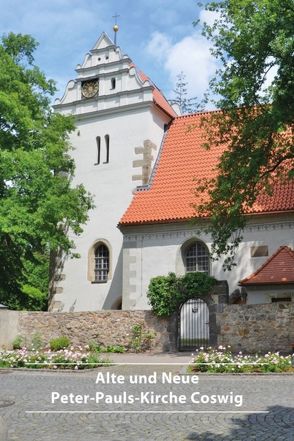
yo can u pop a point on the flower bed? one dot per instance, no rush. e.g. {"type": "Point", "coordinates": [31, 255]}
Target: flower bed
{"type": "Point", "coordinates": [71, 358]}
{"type": "Point", "coordinates": [222, 360]}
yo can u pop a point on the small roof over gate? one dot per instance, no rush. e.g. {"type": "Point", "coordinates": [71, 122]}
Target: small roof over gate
{"type": "Point", "coordinates": [277, 270]}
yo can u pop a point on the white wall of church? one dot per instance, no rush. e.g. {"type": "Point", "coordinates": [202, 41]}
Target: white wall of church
{"type": "Point", "coordinates": [112, 185]}
{"type": "Point", "coordinates": [126, 114]}
{"type": "Point", "coordinates": [156, 250]}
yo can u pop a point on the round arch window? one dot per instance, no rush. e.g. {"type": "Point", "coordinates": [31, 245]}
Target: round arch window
{"type": "Point", "coordinates": [101, 263]}
{"type": "Point", "coordinates": [196, 258]}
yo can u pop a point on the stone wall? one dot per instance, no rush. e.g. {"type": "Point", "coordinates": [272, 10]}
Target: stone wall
{"type": "Point", "coordinates": [104, 327]}
{"type": "Point", "coordinates": [257, 328]}
{"type": "Point", "coordinates": [8, 327]}
{"type": "Point", "coordinates": [247, 328]}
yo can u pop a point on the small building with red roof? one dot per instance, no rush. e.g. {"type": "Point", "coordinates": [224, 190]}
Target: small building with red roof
{"type": "Point", "coordinates": [273, 280]}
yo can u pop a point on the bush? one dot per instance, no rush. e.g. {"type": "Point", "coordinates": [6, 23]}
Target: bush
{"type": "Point", "coordinates": [166, 293]}
{"type": "Point", "coordinates": [222, 360]}
{"type": "Point", "coordinates": [37, 342]}
{"type": "Point", "coordinates": [63, 359]}
{"type": "Point", "coordinates": [56, 344]}
{"type": "Point", "coordinates": [18, 342]}
{"type": "Point", "coordinates": [94, 346]}
{"type": "Point", "coordinates": [141, 339]}
{"type": "Point", "coordinates": [115, 348]}
{"type": "Point", "coordinates": [97, 347]}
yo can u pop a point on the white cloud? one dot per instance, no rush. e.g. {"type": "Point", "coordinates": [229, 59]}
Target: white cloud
{"type": "Point", "coordinates": [190, 55]}
{"type": "Point", "coordinates": [159, 46]}
{"type": "Point", "coordinates": [208, 17]}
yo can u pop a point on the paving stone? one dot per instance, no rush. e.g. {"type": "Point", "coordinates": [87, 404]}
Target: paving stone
{"type": "Point", "coordinates": [32, 391]}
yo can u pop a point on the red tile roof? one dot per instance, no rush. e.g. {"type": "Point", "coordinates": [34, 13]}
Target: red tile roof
{"type": "Point", "coordinates": [170, 195]}
{"type": "Point", "coordinates": [161, 102]}
{"type": "Point", "coordinates": [278, 269]}
{"type": "Point", "coordinates": [158, 97]}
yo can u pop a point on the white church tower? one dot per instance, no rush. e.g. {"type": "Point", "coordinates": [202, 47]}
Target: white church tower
{"type": "Point", "coordinates": [120, 119]}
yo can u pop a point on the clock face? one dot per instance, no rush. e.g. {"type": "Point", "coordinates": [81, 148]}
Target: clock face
{"type": "Point", "coordinates": [90, 88]}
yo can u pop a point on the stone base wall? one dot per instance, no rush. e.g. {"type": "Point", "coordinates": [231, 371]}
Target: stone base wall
{"type": "Point", "coordinates": [104, 327]}
{"type": "Point", "coordinates": [257, 328]}
{"type": "Point", "coordinates": [246, 328]}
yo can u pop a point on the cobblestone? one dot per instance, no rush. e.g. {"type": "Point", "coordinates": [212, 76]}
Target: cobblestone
{"type": "Point", "coordinates": [31, 391]}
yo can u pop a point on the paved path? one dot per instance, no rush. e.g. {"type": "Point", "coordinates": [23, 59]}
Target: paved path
{"type": "Point", "coordinates": [151, 358]}
{"type": "Point", "coordinates": [21, 392]}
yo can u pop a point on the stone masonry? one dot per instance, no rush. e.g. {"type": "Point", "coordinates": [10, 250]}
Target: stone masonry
{"type": "Point", "coordinates": [104, 327]}
{"type": "Point", "coordinates": [247, 328]}
{"type": "Point", "coordinates": [257, 328]}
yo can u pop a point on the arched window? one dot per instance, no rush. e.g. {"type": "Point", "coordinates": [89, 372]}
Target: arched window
{"type": "Point", "coordinates": [101, 268]}
{"type": "Point", "coordinates": [196, 258]}
{"type": "Point", "coordinates": [106, 149]}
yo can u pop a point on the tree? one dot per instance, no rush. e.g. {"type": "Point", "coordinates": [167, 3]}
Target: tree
{"type": "Point", "coordinates": [253, 41]}
{"type": "Point", "coordinates": [38, 201]}
{"type": "Point", "coordinates": [186, 105]}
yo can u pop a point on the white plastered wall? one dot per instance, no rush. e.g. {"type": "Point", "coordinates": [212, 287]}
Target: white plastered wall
{"type": "Point", "coordinates": [112, 186]}
{"type": "Point", "coordinates": [155, 250]}
{"type": "Point", "coordinates": [129, 116]}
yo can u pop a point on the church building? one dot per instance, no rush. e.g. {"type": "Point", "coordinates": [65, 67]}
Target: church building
{"type": "Point", "coordinates": [139, 159]}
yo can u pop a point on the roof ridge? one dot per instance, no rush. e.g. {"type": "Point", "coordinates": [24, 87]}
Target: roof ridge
{"type": "Point", "coordinates": [202, 112]}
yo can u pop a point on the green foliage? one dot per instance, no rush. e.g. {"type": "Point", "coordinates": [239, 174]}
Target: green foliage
{"type": "Point", "coordinates": [94, 346]}
{"type": "Point", "coordinates": [37, 342]}
{"type": "Point", "coordinates": [222, 360]}
{"type": "Point", "coordinates": [167, 293]}
{"type": "Point", "coordinates": [59, 343]}
{"type": "Point", "coordinates": [64, 359]}
{"type": "Point", "coordinates": [18, 342]}
{"type": "Point", "coordinates": [38, 203]}
{"type": "Point", "coordinates": [186, 105]}
{"type": "Point", "coordinates": [253, 42]}
{"type": "Point", "coordinates": [36, 273]}
{"type": "Point", "coordinates": [97, 347]}
{"type": "Point", "coordinates": [162, 294]}
{"type": "Point", "coordinates": [141, 339]}
{"type": "Point", "coordinates": [115, 349]}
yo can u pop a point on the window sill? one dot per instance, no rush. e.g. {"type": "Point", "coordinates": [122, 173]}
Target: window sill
{"type": "Point", "coordinates": [104, 281]}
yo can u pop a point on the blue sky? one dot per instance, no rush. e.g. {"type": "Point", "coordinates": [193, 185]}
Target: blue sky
{"type": "Point", "coordinates": [157, 34]}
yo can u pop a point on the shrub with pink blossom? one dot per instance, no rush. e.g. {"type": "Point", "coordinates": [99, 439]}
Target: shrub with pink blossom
{"type": "Point", "coordinates": [222, 360]}
{"type": "Point", "coordinates": [71, 358]}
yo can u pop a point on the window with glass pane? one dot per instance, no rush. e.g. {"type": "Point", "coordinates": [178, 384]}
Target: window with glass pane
{"type": "Point", "coordinates": [197, 258]}
{"type": "Point", "coordinates": [101, 263]}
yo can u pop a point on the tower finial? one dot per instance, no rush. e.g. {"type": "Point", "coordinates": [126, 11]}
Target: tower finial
{"type": "Point", "coordinates": [115, 26]}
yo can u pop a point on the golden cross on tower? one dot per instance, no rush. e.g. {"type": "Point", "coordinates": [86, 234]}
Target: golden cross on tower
{"type": "Point", "coordinates": [115, 26]}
